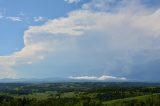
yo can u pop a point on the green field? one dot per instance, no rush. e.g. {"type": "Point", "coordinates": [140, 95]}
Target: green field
{"type": "Point", "coordinates": [147, 100]}
{"type": "Point", "coordinates": [80, 94]}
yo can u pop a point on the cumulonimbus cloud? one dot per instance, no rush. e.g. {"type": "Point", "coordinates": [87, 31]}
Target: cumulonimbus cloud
{"type": "Point", "coordinates": [113, 38]}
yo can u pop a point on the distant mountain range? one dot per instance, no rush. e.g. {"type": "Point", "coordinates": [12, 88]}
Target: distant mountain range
{"type": "Point", "coordinates": [33, 80]}
{"type": "Point", "coordinates": [57, 80]}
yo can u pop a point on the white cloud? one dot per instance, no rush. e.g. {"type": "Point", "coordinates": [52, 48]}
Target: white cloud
{"type": "Point", "coordinates": [23, 17]}
{"type": "Point", "coordinates": [84, 78]}
{"type": "Point", "coordinates": [39, 18]}
{"type": "Point", "coordinates": [121, 34]}
{"type": "Point", "coordinates": [14, 19]}
{"type": "Point", "coordinates": [6, 70]}
{"type": "Point", "coordinates": [72, 1]}
{"type": "Point", "coordinates": [101, 78]}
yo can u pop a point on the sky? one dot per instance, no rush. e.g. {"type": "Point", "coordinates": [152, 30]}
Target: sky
{"type": "Point", "coordinates": [102, 40]}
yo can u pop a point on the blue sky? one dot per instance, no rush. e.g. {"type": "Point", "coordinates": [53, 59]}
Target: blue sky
{"type": "Point", "coordinates": [80, 39]}
{"type": "Point", "coordinates": [12, 32]}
